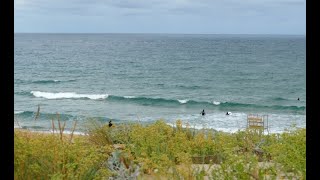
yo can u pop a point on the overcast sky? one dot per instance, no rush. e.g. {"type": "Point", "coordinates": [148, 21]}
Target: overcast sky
{"type": "Point", "coordinates": [161, 16]}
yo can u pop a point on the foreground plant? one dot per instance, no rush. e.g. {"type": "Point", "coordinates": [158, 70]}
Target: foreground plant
{"type": "Point", "coordinates": [160, 151]}
{"type": "Point", "coordinates": [47, 156]}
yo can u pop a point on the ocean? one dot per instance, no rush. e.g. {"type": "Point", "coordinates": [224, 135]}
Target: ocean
{"type": "Point", "coordinates": [146, 77]}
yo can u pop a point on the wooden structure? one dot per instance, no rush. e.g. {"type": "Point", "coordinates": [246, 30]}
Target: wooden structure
{"type": "Point", "coordinates": [258, 122]}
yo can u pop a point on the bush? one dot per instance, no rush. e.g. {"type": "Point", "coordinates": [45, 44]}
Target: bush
{"type": "Point", "coordinates": [47, 156]}
{"type": "Point", "coordinates": [160, 150]}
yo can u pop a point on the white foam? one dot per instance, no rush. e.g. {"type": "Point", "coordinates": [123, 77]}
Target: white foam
{"type": "Point", "coordinates": [70, 132]}
{"type": "Point", "coordinates": [216, 102]}
{"type": "Point", "coordinates": [56, 80]}
{"type": "Point", "coordinates": [129, 97]}
{"type": "Point", "coordinates": [18, 112]}
{"type": "Point", "coordinates": [229, 130]}
{"type": "Point", "coordinates": [67, 95]}
{"type": "Point", "coordinates": [277, 123]}
{"type": "Point", "coordinates": [183, 101]}
{"type": "Point", "coordinates": [56, 132]}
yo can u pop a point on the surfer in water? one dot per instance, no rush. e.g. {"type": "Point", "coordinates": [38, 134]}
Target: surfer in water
{"type": "Point", "coordinates": [203, 113]}
{"type": "Point", "coordinates": [228, 113]}
{"type": "Point", "coordinates": [298, 99]}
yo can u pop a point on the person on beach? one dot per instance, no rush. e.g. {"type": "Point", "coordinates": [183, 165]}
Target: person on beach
{"type": "Point", "coordinates": [203, 113]}
{"type": "Point", "coordinates": [110, 124]}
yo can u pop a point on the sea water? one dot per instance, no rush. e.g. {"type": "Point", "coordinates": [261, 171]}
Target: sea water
{"type": "Point", "coordinates": [145, 77]}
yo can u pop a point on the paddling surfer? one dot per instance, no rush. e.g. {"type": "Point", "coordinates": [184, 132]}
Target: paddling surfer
{"type": "Point", "coordinates": [203, 113]}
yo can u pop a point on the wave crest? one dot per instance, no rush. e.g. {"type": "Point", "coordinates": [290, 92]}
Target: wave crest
{"type": "Point", "coordinates": [151, 101]}
{"type": "Point", "coordinates": [68, 95]}
{"type": "Point", "coordinates": [216, 102]}
{"type": "Point", "coordinates": [51, 81]}
{"type": "Point", "coordinates": [183, 101]}
{"type": "Point", "coordinates": [18, 112]}
{"type": "Point", "coordinates": [129, 97]}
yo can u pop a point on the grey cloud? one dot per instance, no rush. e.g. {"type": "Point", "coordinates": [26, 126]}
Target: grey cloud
{"type": "Point", "coordinates": [136, 7]}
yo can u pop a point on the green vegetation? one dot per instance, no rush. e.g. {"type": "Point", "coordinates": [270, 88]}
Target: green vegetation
{"type": "Point", "coordinates": [46, 156]}
{"type": "Point", "coordinates": [159, 151]}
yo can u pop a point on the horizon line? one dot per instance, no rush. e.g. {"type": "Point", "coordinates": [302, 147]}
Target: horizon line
{"type": "Point", "coordinates": [154, 33]}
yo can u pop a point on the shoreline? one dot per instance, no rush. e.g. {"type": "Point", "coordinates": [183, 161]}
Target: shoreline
{"type": "Point", "coordinates": [218, 121]}
{"type": "Point", "coordinates": [184, 127]}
